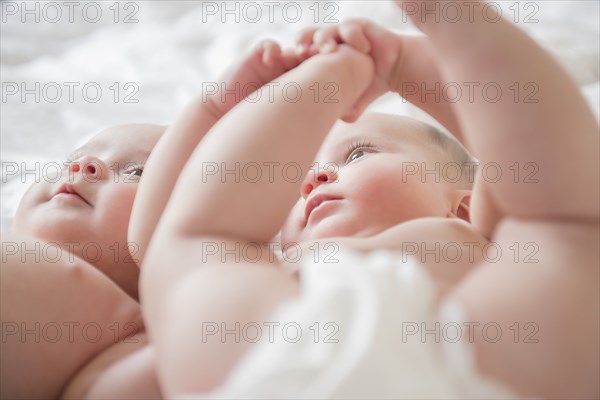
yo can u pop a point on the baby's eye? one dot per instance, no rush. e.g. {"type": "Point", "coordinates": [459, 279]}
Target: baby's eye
{"type": "Point", "coordinates": [137, 172]}
{"type": "Point", "coordinates": [358, 153]}
{"type": "Point", "coordinates": [359, 149]}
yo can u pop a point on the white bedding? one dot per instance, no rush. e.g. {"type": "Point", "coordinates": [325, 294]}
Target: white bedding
{"type": "Point", "coordinates": [170, 51]}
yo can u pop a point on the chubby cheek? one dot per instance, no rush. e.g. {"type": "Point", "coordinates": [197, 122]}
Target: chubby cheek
{"type": "Point", "coordinates": [27, 215]}
{"type": "Point", "coordinates": [113, 210]}
{"type": "Point", "coordinates": [383, 199]}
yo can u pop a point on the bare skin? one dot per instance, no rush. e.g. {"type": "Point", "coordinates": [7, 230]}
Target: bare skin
{"type": "Point", "coordinates": [559, 213]}
{"type": "Point", "coordinates": [75, 304]}
{"type": "Point", "coordinates": [69, 291]}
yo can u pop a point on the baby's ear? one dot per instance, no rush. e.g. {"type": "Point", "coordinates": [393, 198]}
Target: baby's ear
{"type": "Point", "coordinates": [461, 201]}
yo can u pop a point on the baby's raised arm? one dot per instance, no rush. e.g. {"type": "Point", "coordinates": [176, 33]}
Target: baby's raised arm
{"type": "Point", "coordinates": [554, 130]}
{"type": "Point", "coordinates": [555, 133]}
{"type": "Point", "coordinates": [280, 133]}
{"type": "Point", "coordinates": [283, 131]}
{"type": "Point", "coordinates": [264, 63]}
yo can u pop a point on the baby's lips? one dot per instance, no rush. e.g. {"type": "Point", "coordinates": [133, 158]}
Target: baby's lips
{"type": "Point", "coordinates": [71, 190]}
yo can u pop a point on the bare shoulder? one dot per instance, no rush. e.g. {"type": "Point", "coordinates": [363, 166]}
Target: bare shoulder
{"type": "Point", "coordinates": [57, 308]}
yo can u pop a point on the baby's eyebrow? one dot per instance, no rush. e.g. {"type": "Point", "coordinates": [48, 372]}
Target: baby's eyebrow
{"type": "Point", "coordinates": [142, 154]}
{"type": "Point", "coordinates": [348, 141]}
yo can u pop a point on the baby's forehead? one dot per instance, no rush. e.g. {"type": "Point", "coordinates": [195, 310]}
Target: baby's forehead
{"type": "Point", "coordinates": [376, 126]}
{"type": "Point", "coordinates": [124, 140]}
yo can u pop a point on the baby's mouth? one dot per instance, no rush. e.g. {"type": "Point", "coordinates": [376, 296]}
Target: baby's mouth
{"type": "Point", "coordinates": [68, 191]}
{"type": "Point", "coordinates": [315, 202]}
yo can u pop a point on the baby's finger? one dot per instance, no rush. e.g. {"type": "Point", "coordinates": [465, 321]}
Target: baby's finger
{"type": "Point", "coordinates": [326, 39]}
{"type": "Point", "coordinates": [353, 33]}
{"type": "Point", "coordinates": [271, 52]}
{"type": "Point", "coordinates": [290, 59]}
{"type": "Point", "coordinates": [304, 40]}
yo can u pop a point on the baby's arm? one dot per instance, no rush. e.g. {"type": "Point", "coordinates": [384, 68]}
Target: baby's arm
{"type": "Point", "coordinates": [557, 131]}
{"type": "Point", "coordinates": [264, 63]}
{"type": "Point", "coordinates": [46, 308]}
{"type": "Point", "coordinates": [207, 210]}
{"type": "Point", "coordinates": [283, 129]}
{"type": "Point", "coordinates": [557, 213]}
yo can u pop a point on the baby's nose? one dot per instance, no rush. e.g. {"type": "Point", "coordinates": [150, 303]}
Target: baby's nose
{"type": "Point", "coordinates": [314, 179]}
{"type": "Point", "coordinates": [90, 169]}
{"type": "Point", "coordinates": [75, 167]}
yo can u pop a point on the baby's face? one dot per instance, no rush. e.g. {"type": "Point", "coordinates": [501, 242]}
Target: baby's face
{"type": "Point", "coordinates": [361, 180]}
{"type": "Point", "coordinates": [87, 210]}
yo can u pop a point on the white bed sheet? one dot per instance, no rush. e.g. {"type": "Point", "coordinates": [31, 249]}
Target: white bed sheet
{"type": "Point", "coordinates": [171, 51]}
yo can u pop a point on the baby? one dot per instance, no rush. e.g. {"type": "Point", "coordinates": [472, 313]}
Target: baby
{"type": "Point", "coordinates": [371, 176]}
{"type": "Point", "coordinates": [370, 196]}
{"type": "Point", "coordinates": [71, 322]}
{"type": "Point", "coordinates": [69, 278]}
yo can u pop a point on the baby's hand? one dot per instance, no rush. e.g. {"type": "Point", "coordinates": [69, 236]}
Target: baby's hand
{"type": "Point", "coordinates": [402, 62]}
{"type": "Point", "coordinates": [365, 36]}
{"type": "Point", "coordinates": [266, 62]}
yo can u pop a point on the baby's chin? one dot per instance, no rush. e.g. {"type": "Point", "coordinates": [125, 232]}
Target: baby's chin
{"type": "Point", "coordinates": [315, 233]}
{"type": "Point", "coordinates": [335, 229]}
